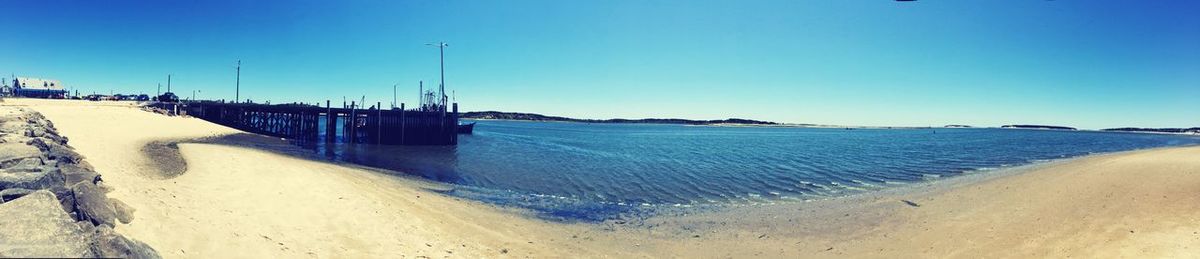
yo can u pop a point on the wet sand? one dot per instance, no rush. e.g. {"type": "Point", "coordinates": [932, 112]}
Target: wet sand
{"type": "Point", "coordinates": [240, 201]}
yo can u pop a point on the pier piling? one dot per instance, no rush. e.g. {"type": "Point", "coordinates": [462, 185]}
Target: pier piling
{"type": "Point", "coordinates": [303, 122]}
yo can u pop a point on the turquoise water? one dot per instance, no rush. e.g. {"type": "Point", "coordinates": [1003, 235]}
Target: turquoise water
{"type": "Point", "coordinates": [599, 171]}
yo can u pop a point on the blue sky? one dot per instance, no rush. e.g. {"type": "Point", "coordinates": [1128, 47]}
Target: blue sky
{"type": "Point", "coordinates": [1089, 64]}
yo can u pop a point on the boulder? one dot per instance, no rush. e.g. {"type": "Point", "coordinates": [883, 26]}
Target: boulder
{"type": "Point", "coordinates": [28, 164]}
{"type": "Point", "coordinates": [39, 143]}
{"type": "Point", "coordinates": [124, 211]}
{"type": "Point", "coordinates": [61, 153]}
{"type": "Point", "coordinates": [109, 244]}
{"type": "Point", "coordinates": [36, 226]}
{"type": "Point", "coordinates": [35, 132]}
{"type": "Point", "coordinates": [11, 153]}
{"type": "Point", "coordinates": [10, 194]}
{"type": "Point", "coordinates": [55, 149]}
{"type": "Point", "coordinates": [30, 180]}
{"type": "Point", "coordinates": [93, 205]}
{"type": "Point", "coordinates": [66, 198]}
{"type": "Point", "coordinates": [73, 177]}
{"type": "Point", "coordinates": [43, 143]}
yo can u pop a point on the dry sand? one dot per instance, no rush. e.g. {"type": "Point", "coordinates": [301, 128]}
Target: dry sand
{"type": "Point", "coordinates": [241, 202]}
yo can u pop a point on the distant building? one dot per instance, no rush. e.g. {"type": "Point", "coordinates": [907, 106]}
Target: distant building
{"type": "Point", "coordinates": [38, 88]}
{"type": "Point", "coordinates": [5, 90]}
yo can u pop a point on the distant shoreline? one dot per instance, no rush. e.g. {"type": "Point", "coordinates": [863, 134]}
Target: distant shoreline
{"type": "Point", "coordinates": [495, 115]}
{"type": "Point", "coordinates": [736, 122]}
{"type": "Point", "coordinates": [777, 125]}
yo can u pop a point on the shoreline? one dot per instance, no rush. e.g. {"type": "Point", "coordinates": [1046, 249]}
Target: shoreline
{"type": "Point", "coordinates": [869, 224]}
{"type": "Point", "coordinates": [266, 203]}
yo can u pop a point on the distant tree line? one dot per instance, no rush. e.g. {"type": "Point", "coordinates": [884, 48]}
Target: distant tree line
{"type": "Point", "coordinates": [495, 115]}
{"type": "Point", "coordinates": [1038, 127]}
{"type": "Point", "coordinates": [1165, 130]}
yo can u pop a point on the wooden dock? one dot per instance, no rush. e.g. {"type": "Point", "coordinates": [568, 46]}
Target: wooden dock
{"type": "Point", "coordinates": [314, 123]}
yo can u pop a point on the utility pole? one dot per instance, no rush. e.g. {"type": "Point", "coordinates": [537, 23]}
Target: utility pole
{"type": "Point", "coordinates": [237, 88]}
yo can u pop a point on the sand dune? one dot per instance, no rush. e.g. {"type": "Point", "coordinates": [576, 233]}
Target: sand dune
{"type": "Point", "coordinates": [238, 201]}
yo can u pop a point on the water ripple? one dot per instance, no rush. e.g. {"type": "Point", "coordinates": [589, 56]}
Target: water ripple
{"type": "Point", "coordinates": [594, 171]}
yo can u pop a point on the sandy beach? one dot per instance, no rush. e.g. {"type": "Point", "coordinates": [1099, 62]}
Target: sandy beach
{"type": "Point", "coordinates": [238, 201]}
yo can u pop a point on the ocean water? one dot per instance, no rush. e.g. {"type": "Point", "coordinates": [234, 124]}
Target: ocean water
{"type": "Point", "coordinates": [601, 171]}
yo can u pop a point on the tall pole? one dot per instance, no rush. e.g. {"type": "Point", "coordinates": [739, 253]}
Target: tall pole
{"type": "Point", "coordinates": [237, 88]}
{"type": "Point", "coordinates": [442, 87]}
{"type": "Point", "coordinates": [442, 63]}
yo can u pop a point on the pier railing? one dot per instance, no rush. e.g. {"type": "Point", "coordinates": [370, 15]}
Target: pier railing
{"type": "Point", "coordinates": [315, 123]}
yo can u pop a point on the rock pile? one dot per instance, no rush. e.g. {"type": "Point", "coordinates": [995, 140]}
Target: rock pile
{"type": "Point", "coordinates": [52, 203]}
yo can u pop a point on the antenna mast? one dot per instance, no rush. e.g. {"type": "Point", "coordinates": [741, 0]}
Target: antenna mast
{"type": "Point", "coordinates": [237, 88]}
{"type": "Point", "coordinates": [442, 63]}
{"type": "Point", "coordinates": [442, 86]}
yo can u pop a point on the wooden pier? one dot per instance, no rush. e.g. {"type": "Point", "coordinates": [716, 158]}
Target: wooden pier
{"type": "Point", "coordinates": [314, 123]}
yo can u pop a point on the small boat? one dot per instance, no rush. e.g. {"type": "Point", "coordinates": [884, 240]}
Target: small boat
{"type": "Point", "coordinates": [466, 128]}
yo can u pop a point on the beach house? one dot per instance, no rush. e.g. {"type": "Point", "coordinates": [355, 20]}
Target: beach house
{"type": "Point", "coordinates": [38, 88]}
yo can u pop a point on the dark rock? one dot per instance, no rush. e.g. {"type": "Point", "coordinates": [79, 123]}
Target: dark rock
{"type": "Point", "coordinates": [39, 143]}
{"type": "Point", "coordinates": [34, 132]}
{"type": "Point", "coordinates": [109, 244]}
{"type": "Point", "coordinates": [7, 195]}
{"type": "Point", "coordinates": [93, 205]}
{"type": "Point", "coordinates": [30, 180]}
{"type": "Point", "coordinates": [62, 153]}
{"type": "Point", "coordinates": [66, 197]}
{"type": "Point", "coordinates": [43, 143]}
{"type": "Point", "coordinates": [73, 177]}
{"type": "Point", "coordinates": [35, 226]}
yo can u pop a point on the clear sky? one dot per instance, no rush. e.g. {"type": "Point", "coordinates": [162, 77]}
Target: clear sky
{"type": "Point", "coordinates": [1089, 64]}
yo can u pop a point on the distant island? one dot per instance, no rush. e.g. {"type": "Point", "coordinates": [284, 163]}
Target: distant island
{"type": "Point", "coordinates": [495, 115]}
{"type": "Point", "coordinates": [1038, 127]}
{"type": "Point", "coordinates": [1159, 130]}
{"type": "Point", "coordinates": [957, 126]}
